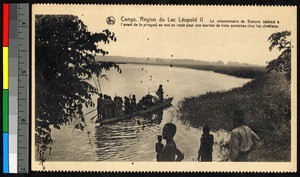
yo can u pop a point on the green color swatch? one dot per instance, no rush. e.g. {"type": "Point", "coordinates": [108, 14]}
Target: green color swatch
{"type": "Point", "coordinates": [5, 110]}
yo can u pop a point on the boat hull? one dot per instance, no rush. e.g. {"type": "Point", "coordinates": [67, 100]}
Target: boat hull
{"type": "Point", "coordinates": [165, 104]}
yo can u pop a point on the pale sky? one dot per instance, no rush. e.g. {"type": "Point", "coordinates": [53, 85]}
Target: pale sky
{"type": "Point", "coordinates": [244, 45]}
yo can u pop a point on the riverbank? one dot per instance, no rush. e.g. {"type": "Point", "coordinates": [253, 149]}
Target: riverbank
{"type": "Point", "coordinates": [266, 102]}
{"type": "Point", "coordinates": [237, 71]}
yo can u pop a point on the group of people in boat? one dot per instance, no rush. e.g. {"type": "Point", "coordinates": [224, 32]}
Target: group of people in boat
{"type": "Point", "coordinates": [108, 107]}
{"type": "Point", "coordinates": [242, 141]}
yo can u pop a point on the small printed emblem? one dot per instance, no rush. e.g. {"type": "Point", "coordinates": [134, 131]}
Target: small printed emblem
{"type": "Point", "coordinates": [110, 20]}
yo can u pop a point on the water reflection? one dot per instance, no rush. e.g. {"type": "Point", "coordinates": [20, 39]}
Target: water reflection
{"type": "Point", "coordinates": [118, 141]}
{"type": "Point", "coordinates": [135, 139]}
{"type": "Point", "coordinates": [155, 117]}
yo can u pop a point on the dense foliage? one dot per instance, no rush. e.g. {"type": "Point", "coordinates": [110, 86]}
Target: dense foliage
{"type": "Point", "coordinates": [266, 102]}
{"type": "Point", "coordinates": [283, 62]}
{"type": "Point", "coordinates": [64, 52]}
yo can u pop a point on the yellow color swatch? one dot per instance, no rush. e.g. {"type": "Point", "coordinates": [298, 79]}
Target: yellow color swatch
{"type": "Point", "coordinates": [5, 68]}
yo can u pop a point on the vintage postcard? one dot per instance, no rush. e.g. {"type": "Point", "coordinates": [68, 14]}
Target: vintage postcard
{"type": "Point", "coordinates": [164, 88]}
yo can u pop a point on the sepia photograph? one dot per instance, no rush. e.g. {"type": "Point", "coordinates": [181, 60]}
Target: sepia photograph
{"type": "Point", "coordinates": [150, 85]}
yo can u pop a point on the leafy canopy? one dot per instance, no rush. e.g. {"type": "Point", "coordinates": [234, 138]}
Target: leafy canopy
{"type": "Point", "coordinates": [65, 60]}
{"type": "Point", "coordinates": [283, 62]}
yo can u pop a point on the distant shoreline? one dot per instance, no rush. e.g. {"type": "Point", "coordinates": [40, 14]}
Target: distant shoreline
{"type": "Point", "coordinates": [249, 72]}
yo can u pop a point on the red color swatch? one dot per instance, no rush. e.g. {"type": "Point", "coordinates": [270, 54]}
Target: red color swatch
{"type": "Point", "coordinates": [5, 25]}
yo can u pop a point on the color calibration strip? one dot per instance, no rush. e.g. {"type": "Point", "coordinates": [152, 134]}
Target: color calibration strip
{"type": "Point", "coordinates": [13, 89]}
{"type": "Point", "coordinates": [15, 92]}
{"type": "Point", "coordinates": [5, 92]}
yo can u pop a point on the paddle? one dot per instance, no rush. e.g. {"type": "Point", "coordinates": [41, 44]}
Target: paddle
{"type": "Point", "coordinates": [89, 112]}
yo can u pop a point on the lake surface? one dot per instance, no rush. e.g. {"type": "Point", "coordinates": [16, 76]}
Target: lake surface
{"type": "Point", "coordinates": [135, 139]}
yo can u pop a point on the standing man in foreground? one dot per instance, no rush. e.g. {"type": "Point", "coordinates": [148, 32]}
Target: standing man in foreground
{"type": "Point", "coordinates": [170, 152]}
{"type": "Point", "coordinates": [242, 138]}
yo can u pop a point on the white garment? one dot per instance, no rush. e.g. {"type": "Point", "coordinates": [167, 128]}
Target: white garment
{"type": "Point", "coordinates": [242, 139]}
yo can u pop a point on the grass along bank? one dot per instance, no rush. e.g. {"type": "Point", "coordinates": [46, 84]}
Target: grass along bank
{"type": "Point", "coordinates": [266, 101]}
{"type": "Point", "coordinates": [237, 71]}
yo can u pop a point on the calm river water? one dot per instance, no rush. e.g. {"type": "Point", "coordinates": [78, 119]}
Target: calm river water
{"type": "Point", "coordinates": [133, 140]}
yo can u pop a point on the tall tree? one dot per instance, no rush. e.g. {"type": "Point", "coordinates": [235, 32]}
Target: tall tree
{"type": "Point", "coordinates": [283, 62]}
{"type": "Point", "coordinates": [64, 63]}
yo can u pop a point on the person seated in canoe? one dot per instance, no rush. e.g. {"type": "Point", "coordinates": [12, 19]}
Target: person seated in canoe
{"type": "Point", "coordinates": [149, 100]}
{"type": "Point", "coordinates": [160, 93]}
{"type": "Point", "coordinates": [105, 107]}
{"type": "Point", "coordinates": [118, 106]}
{"type": "Point", "coordinates": [111, 107]}
{"type": "Point", "coordinates": [115, 107]}
{"type": "Point", "coordinates": [127, 105]}
{"type": "Point", "coordinates": [133, 103]}
{"type": "Point", "coordinates": [108, 106]}
{"type": "Point", "coordinates": [141, 104]}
